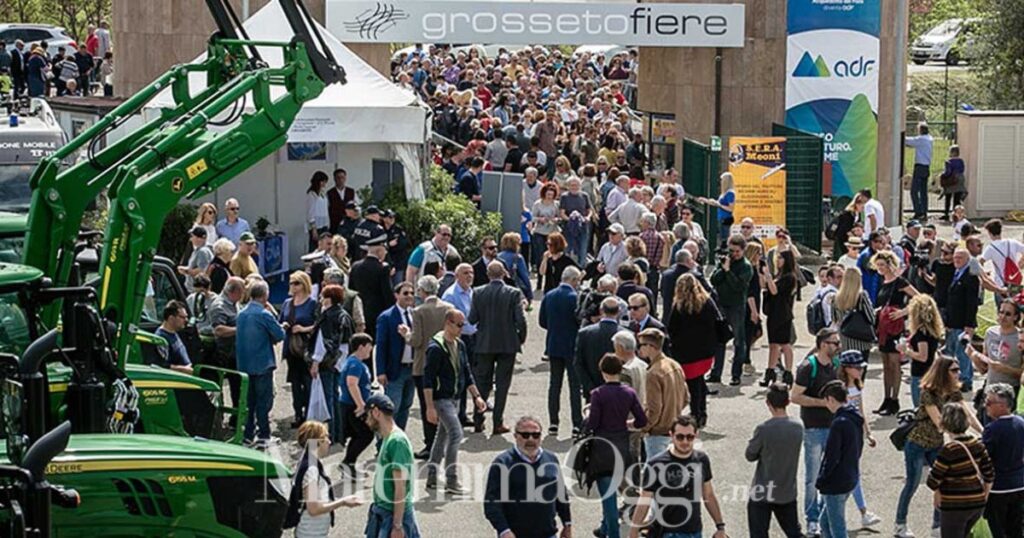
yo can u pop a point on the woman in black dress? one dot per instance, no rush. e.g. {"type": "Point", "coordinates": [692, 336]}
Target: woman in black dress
{"type": "Point", "coordinates": [691, 331]}
{"type": "Point", "coordinates": [891, 311]}
{"type": "Point", "coordinates": [554, 262]}
{"type": "Point", "coordinates": [778, 299]}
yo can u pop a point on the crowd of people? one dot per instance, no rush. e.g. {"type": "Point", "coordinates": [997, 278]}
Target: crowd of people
{"type": "Point", "coordinates": [640, 314]}
{"type": "Point", "coordinates": [81, 69]}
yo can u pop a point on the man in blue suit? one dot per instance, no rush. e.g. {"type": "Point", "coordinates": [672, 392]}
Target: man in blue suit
{"type": "Point", "coordinates": [394, 355]}
{"type": "Point", "coordinates": [558, 318]}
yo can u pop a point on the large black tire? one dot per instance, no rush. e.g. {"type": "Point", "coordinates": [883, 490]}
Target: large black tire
{"type": "Point", "coordinates": [919, 62]}
{"type": "Point", "coordinates": [953, 57]}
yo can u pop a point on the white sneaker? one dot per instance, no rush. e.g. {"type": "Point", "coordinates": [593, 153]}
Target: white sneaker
{"type": "Point", "coordinates": [902, 531]}
{"type": "Point", "coordinates": [936, 532]}
{"type": "Point", "coordinates": [813, 528]}
{"type": "Point", "coordinates": [868, 519]}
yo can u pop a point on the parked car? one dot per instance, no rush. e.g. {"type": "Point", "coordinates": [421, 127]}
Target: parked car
{"type": "Point", "coordinates": [54, 36]}
{"type": "Point", "coordinates": [951, 41]}
{"type": "Point", "coordinates": [594, 50]}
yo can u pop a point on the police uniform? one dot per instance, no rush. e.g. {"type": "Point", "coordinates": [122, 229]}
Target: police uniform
{"type": "Point", "coordinates": [371, 279]}
{"type": "Point", "coordinates": [364, 231]}
{"type": "Point", "coordinates": [398, 247]}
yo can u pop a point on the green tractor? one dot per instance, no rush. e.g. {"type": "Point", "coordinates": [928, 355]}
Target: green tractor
{"type": "Point", "coordinates": [138, 484]}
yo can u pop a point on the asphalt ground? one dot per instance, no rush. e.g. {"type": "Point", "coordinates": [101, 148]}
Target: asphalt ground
{"type": "Point", "coordinates": [733, 414]}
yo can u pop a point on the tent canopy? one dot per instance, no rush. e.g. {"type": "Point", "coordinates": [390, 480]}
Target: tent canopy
{"type": "Point", "coordinates": [369, 108]}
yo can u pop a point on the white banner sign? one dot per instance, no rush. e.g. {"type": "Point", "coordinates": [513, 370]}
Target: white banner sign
{"type": "Point", "coordinates": [544, 23]}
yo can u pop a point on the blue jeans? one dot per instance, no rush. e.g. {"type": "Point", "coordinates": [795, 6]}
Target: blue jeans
{"type": "Point", "coordinates": [834, 522]}
{"type": "Point", "coordinates": [858, 496]}
{"type": "Point", "coordinates": [955, 348]}
{"type": "Point", "coordinates": [261, 400]}
{"type": "Point", "coordinates": [723, 233]}
{"type": "Point", "coordinates": [378, 523]}
{"type": "Point", "coordinates": [446, 441]}
{"type": "Point", "coordinates": [329, 378]}
{"type": "Point", "coordinates": [401, 391]}
{"type": "Point", "coordinates": [915, 457]}
{"type": "Point", "coordinates": [609, 507]}
{"type": "Point", "coordinates": [919, 190]}
{"type": "Point", "coordinates": [736, 315]}
{"type": "Point", "coordinates": [814, 448]}
{"type": "Point", "coordinates": [577, 246]}
{"type": "Point", "coordinates": [915, 390]}
{"type": "Point", "coordinates": [656, 444]}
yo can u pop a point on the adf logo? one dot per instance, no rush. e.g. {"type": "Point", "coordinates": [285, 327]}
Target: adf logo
{"type": "Point", "coordinates": [842, 68]}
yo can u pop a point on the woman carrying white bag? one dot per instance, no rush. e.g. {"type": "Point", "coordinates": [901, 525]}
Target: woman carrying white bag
{"type": "Point", "coordinates": [331, 344]}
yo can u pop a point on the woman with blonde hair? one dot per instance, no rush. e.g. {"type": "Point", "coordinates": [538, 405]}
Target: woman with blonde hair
{"type": "Point", "coordinates": [312, 496]}
{"type": "Point", "coordinates": [726, 204]}
{"type": "Point", "coordinates": [338, 256]}
{"type": "Point", "coordinates": [219, 269]}
{"type": "Point", "coordinates": [563, 171]}
{"type": "Point", "coordinates": [851, 301]}
{"type": "Point", "coordinates": [691, 331]}
{"type": "Point", "coordinates": [515, 265]}
{"type": "Point", "coordinates": [927, 332]}
{"type": "Point", "coordinates": [298, 318]}
{"type": "Point", "coordinates": [636, 252]}
{"type": "Point", "coordinates": [754, 253]}
{"type": "Point", "coordinates": [893, 295]}
{"type": "Point", "coordinates": [207, 218]}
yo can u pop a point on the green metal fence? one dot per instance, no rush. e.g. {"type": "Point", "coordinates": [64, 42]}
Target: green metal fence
{"type": "Point", "coordinates": [804, 160]}
{"type": "Point", "coordinates": [700, 178]}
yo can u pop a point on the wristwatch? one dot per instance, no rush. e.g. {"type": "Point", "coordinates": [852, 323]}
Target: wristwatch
{"type": "Point", "coordinates": [720, 526]}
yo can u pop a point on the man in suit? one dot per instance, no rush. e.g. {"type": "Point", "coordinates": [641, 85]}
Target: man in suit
{"type": "Point", "coordinates": [593, 342]}
{"type": "Point", "coordinates": [640, 318]}
{"type": "Point", "coordinates": [427, 320]}
{"type": "Point", "coordinates": [488, 253]}
{"type": "Point", "coordinates": [394, 355]}
{"type": "Point", "coordinates": [371, 279]}
{"type": "Point", "coordinates": [558, 318]}
{"type": "Point", "coordinates": [496, 308]}
{"type": "Point", "coordinates": [962, 314]}
{"type": "Point", "coordinates": [338, 197]}
{"type": "Point", "coordinates": [628, 274]}
{"type": "Point", "coordinates": [669, 277]}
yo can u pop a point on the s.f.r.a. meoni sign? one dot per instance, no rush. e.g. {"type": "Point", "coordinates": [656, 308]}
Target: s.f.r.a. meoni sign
{"type": "Point", "coordinates": [548, 23]}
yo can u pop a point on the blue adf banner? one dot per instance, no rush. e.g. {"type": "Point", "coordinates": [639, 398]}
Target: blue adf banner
{"type": "Point", "coordinates": [832, 50]}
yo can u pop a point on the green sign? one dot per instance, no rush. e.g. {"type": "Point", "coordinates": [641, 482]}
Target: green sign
{"type": "Point", "coordinates": [716, 143]}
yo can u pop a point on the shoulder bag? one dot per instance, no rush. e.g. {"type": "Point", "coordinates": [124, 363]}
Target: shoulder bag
{"type": "Point", "coordinates": [856, 325]}
{"type": "Point", "coordinates": [906, 422]}
{"type": "Point", "coordinates": [296, 341]}
{"type": "Point", "coordinates": [723, 331]}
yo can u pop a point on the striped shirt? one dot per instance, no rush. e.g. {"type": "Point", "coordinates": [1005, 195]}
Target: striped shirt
{"type": "Point", "coordinates": [956, 478]}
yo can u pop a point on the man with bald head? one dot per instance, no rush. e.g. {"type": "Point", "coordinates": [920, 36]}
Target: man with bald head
{"type": "Point", "coordinates": [495, 308]}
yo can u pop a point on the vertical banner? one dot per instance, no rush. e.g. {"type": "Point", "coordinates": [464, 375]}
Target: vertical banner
{"type": "Point", "coordinates": [758, 168]}
{"type": "Point", "coordinates": [832, 51]}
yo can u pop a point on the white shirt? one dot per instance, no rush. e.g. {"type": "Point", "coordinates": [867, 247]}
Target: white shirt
{"type": "Point", "coordinates": [211, 234]}
{"type": "Point", "coordinates": [637, 370]}
{"type": "Point", "coordinates": [873, 207]}
{"type": "Point", "coordinates": [407, 352]}
{"type": "Point", "coordinates": [316, 211]}
{"type": "Point", "coordinates": [997, 252]}
{"type": "Point", "coordinates": [310, 525]}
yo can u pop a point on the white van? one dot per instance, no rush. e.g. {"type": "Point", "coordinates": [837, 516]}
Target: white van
{"type": "Point", "coordinates": [34, 135]}
{"type": "Point", "coordinates": [951, 41]}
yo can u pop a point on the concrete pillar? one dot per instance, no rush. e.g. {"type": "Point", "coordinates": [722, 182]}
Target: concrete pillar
{"type": "Point", "coordinates": [149, 37]}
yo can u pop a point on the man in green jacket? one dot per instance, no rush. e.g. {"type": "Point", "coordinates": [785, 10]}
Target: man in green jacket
{"type": "Point", "coordinates": [731, 280]}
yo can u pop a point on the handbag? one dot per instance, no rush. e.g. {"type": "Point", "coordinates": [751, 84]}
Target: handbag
{"type": "Point", "coordinates": [907, 420]}
{"type": "Point", "coordinates": [856, 325]}
{"type": "Point", "coordinates": [723, 331]}
{"type": "Point", "coordinates": [297, 342]}
{"type": "Point", "coordinates": [317, 409]}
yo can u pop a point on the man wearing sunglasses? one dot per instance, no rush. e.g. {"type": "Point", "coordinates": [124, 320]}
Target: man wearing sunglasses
{"type": "Point", "coordinates": [672, 477]}
{"type": "Point", "coordinates": [525, 490]}
{"type": "Point", "coordinates": [232, 226]}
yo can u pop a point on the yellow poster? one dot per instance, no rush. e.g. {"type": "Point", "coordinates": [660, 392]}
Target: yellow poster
{"type": "Point", "coordinates": [758, 167]}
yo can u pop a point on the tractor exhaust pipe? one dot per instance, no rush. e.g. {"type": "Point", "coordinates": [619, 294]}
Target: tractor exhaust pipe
{"type": "Point", "coordinates": [34, 384]}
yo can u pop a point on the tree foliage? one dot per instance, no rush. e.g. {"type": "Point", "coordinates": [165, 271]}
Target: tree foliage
{"type": "Point", "coordinates": [73, 15]}
{"type": "Point", "coordinates": [1000, 63]}
{"type": "Point", "coordinates": [925, 14]}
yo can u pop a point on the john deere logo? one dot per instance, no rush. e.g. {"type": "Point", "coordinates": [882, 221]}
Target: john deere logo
{"type": "Point", "coordinates": [811, 68]}
{"type": "Point", "coordinates": [371, 22]}
{"type": "Point", "coordinates": [177, 184]}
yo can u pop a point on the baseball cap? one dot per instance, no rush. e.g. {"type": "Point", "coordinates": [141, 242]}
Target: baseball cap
{"type": "Point", "coordinates": [247, 237]}
{"type": "Point", "coordinates": [380, 401]}
{"type": "Point", "coordinates": [198, 231]}
{"type": "Point", "coordinates": [852, 357]}
{"type": "Point", "coordinates": [616, 228]}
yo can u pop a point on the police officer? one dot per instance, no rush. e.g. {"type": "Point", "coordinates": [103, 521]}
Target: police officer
{"type": "Point", "coordinates": [371, 279]}
{"type": "Point", "coordinates": [348, 224]}
{"type": "Point", "coordinates": [398, 244]}
{"type": "Point", "coordinates": [367, 228]}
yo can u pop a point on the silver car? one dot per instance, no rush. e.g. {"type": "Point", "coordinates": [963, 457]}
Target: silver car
{"type": "Point", "coordinates": [31, 34]}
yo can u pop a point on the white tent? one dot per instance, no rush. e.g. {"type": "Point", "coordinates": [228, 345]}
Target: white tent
{"type": "Point", "coordinates": [365, 120]}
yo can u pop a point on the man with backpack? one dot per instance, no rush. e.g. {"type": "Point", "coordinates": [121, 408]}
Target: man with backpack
{"type": "Point", "coordinates": [1004, 255]}
{"type": "Point", "coordinates": [819, 310]}
{"type": "Point", "coordinates": [811, 377]}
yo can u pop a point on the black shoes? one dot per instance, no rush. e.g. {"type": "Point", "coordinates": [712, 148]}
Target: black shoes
{"type": "Point", "coordinates": [735, 382]}
{"type": "Point", "coordinates": [889, 407]}
{"type": "Point", "coordinates": [422, 454]}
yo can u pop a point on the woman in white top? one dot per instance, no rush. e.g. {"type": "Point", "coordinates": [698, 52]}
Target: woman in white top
{"type": "Point", "coordinates": [317, 218]}
{"type": "Point", "coordinates": [207, 218]}
{"type": "Point", "coordinates": [317, 499]}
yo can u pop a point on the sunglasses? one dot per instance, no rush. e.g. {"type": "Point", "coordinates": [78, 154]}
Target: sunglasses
{"type": "Point", "coordinates": [459, 325]}
{"type": "Point", "coordinates": [446, 235]}
{"type": "Point", "coordinates": [634, 307]}
{"type": "Point", "coordinates": [747, 227]}
{"type": "Point", "coordinates": [685, 436]}
{"type": "Point", "coordinates": [529, 435]}
{"type": "Point", "coordinates": [232, 209]}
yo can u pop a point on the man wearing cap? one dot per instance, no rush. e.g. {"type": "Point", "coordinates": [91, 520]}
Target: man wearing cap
{"type": "Point", "coordinates": [199, 259]}
{"type": "Point", "coordinates": [612, 253]}
{"type": "Point", "coordinates": [337, 198]}
{"type": "Point", "coordinates": [348, 224]}
{"type": "Point", "coordinates": [371, 279]}
{"type": "Point", "coordinates": [367, 228]}
{"type": "Point", "coordinates": [391, 513]}
{"type": "Point", "coordinates": [242, 265]}
{"type": "Point", "coordinates": [232, 226]}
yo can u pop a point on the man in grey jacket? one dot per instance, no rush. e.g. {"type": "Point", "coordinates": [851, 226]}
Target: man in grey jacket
{"type": "Point", "coordinates": [496, 308]}
{"type": "Point", "coordinates": [776, 449]}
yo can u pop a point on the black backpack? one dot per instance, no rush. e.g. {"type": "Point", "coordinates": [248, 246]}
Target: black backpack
{"type": "Point", "coordinates": [816, 313]}
{"type": "Point", "coordinates": [295, 501]}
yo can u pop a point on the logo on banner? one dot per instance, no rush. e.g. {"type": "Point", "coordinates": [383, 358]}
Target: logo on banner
{"type": "Point", "coordinates": [811, 68]}
{"type": "Point", "coordinates": [370, 23]}
{"type": "Point", "coordinates": [818, 68]}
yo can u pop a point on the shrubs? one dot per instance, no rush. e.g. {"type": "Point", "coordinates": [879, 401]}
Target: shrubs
{"type": "Point", "coordinates": [174, 235]}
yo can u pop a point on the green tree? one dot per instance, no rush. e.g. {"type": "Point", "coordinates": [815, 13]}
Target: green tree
{"type": "Point", "coordinates": [925, 14]}
{"type": "Point", "coordinates": [73, 15]}
{"type": "Point", "coordinates": [1000, 63]}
